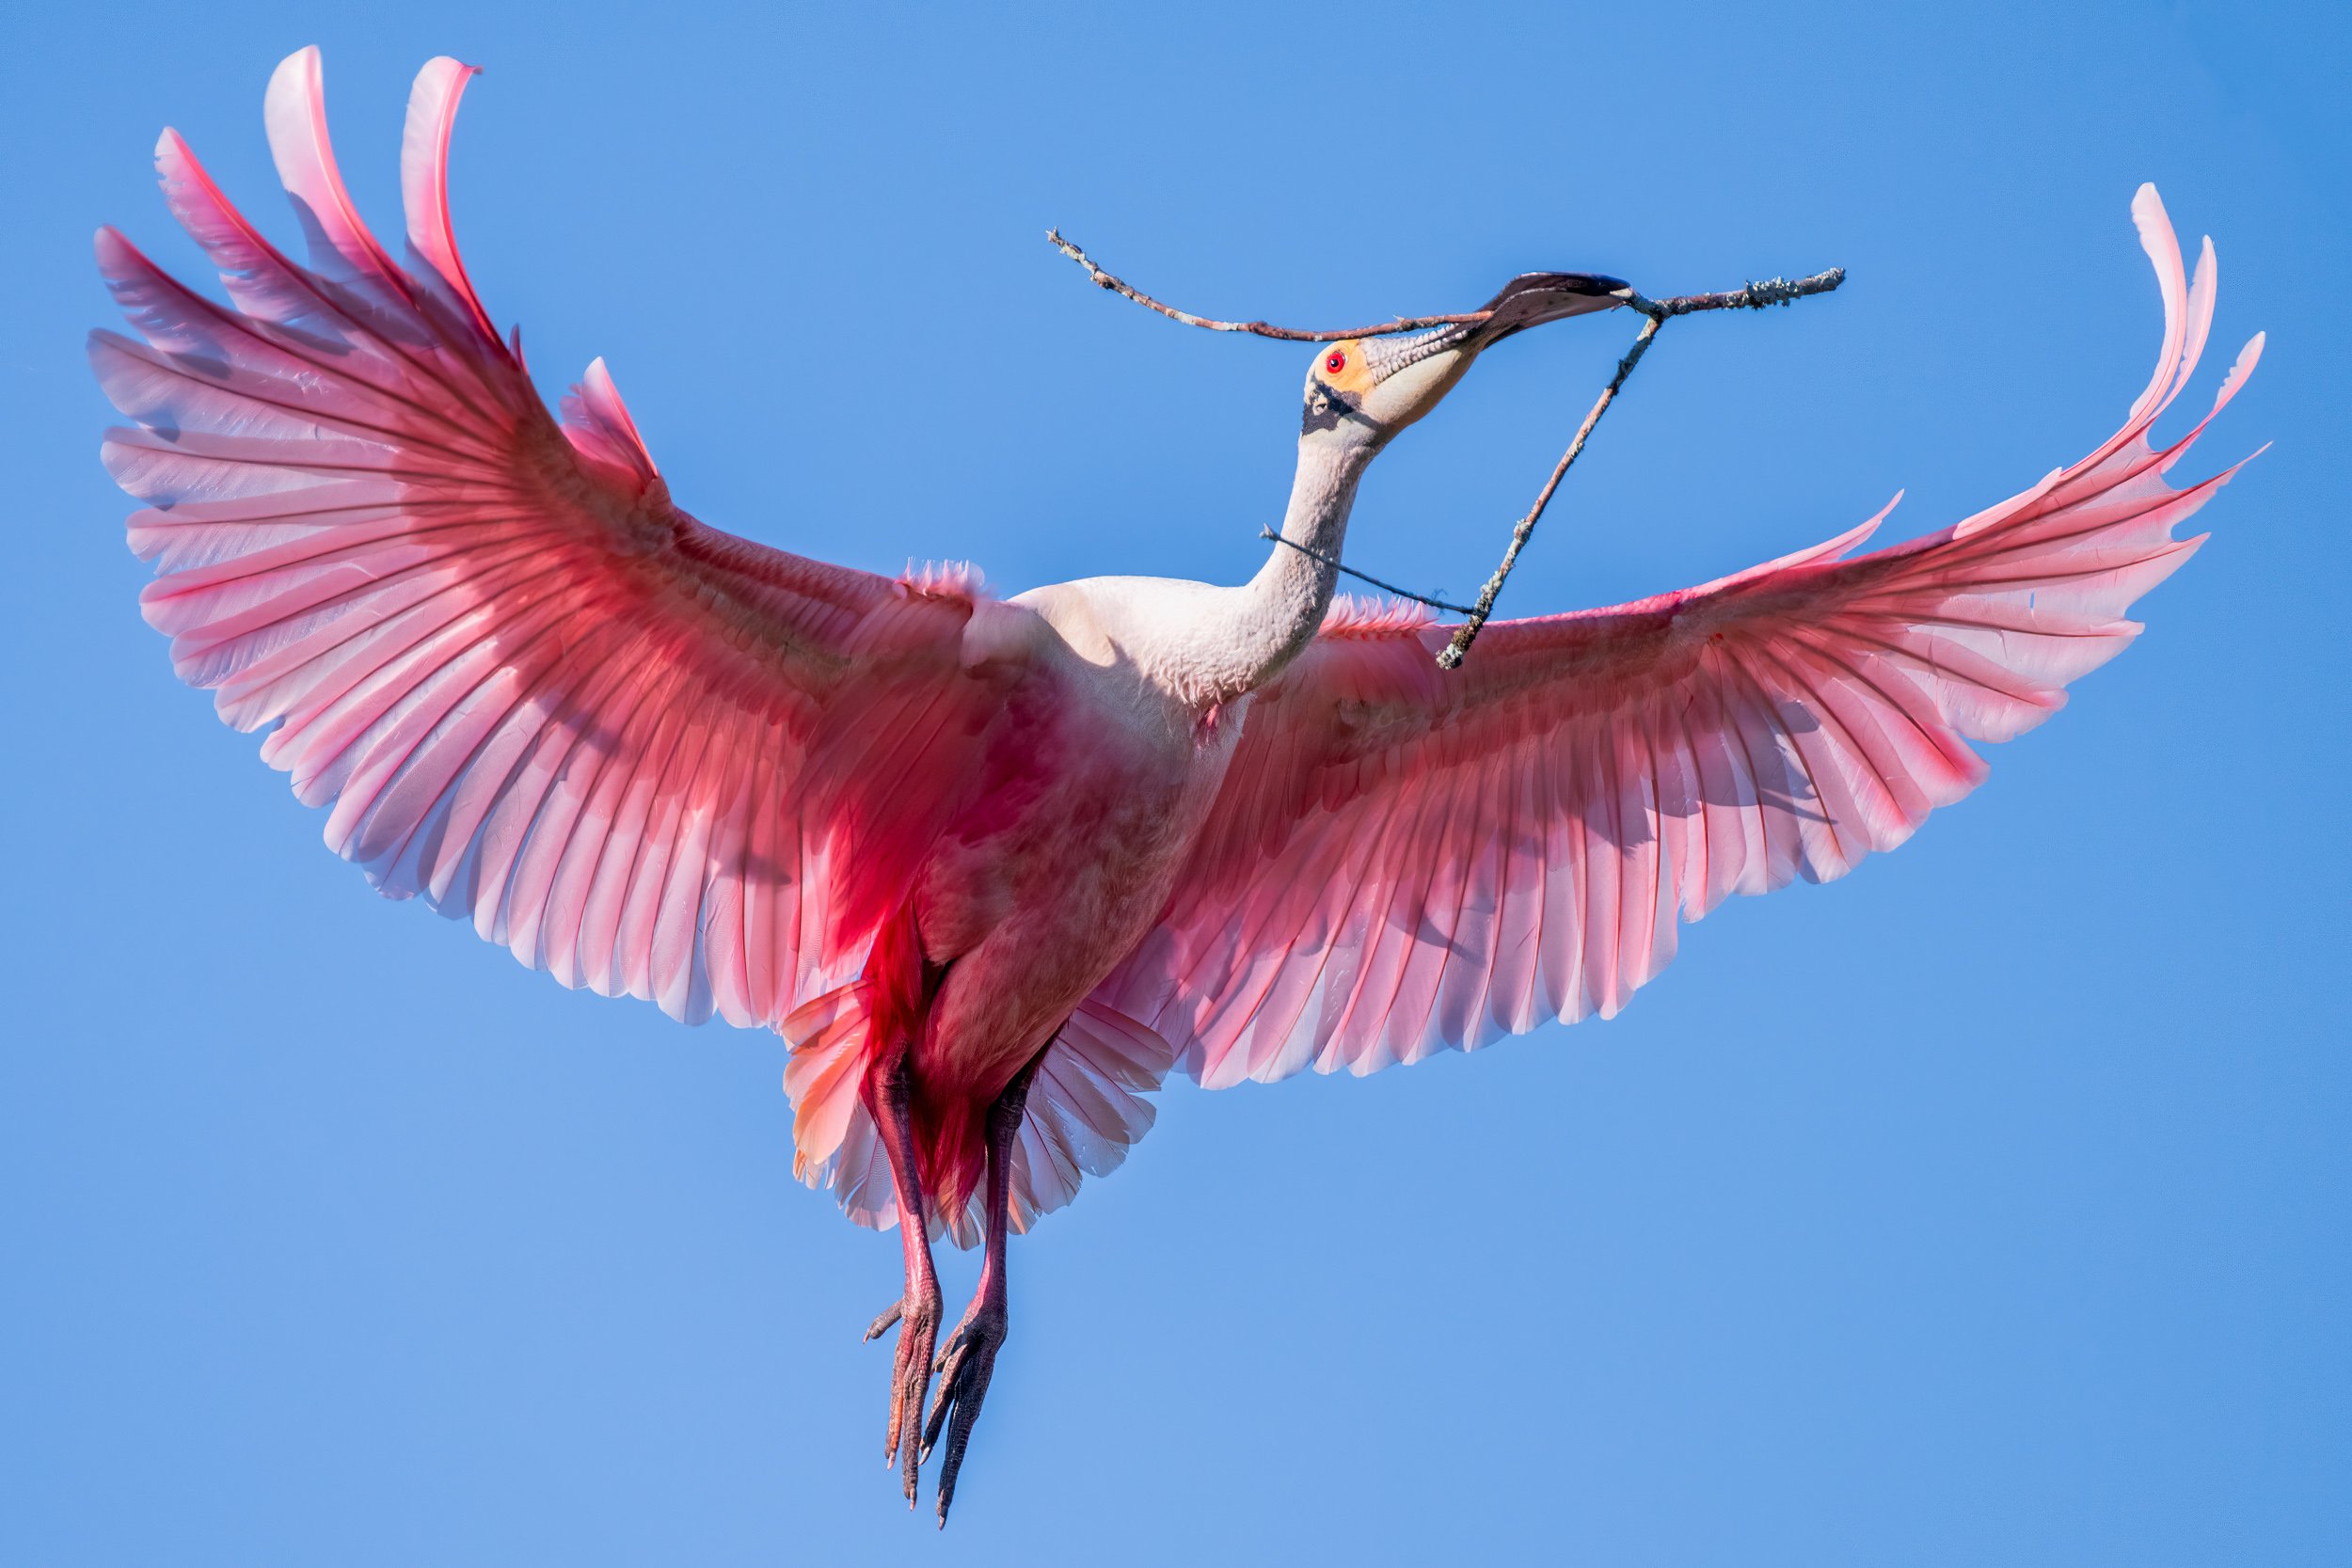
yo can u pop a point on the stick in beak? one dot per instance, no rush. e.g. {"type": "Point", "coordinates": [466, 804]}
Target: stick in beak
{"type": "Point", "coordinates": [1533, 298]}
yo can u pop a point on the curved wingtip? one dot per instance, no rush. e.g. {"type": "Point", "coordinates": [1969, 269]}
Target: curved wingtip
{"type": "Point", "coordinates": [2154, 225]}
{"type": "Point", "coordinates": [294, 115]}
{"type": "Point", "coordinates": [2189, 306]}
{"type": "Point", "coordinates": [424, 186]}
{"type": "Point", "coordinates": [2163, 249]}
{"type": "Point", "coordinates": [296, 78]}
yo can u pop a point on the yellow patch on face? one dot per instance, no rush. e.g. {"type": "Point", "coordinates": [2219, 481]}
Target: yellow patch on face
{"type": "Point", "coordinates": [1341, 367]}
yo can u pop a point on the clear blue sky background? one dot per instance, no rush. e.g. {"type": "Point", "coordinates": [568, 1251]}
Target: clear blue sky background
{"type": "Point", "coordinates": [1989, 1207]}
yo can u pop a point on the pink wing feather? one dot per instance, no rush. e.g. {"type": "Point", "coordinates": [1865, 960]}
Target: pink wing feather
{"type": "Point", "coordinates": [530, 688]}
{"type": "Point", "coordinates": [1404, 861]}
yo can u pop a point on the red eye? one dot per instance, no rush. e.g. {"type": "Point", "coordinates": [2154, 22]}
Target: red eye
{"type": "Point", "coordinates": [1335, 361]}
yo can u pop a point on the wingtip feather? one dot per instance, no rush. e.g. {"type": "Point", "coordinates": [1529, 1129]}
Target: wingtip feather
{"type": "Point", "coordinates": [432, 117]}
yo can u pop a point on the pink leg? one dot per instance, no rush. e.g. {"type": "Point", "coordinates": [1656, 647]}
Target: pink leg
{"type": "Point", "coordinates": [969, 1357]}
{"type": "Point", "coordinates": [888, 1092]}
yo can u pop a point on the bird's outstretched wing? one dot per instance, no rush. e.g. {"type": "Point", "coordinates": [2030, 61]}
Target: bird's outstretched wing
{"type": "Point", "coordinates": [629, 747]}
{"type": "Point", "coordinates": [1404, 860]}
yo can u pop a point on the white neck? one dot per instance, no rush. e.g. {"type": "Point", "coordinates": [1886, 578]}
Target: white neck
{"type": "Point", "coordinates": [1276, 613]}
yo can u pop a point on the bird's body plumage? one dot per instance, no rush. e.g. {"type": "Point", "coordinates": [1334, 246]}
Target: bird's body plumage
{"type": "Point", "coordinates": [1052, 846]}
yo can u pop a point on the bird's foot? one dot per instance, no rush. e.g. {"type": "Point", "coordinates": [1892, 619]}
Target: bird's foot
{"type": "Point", "coordinates": [965, 1365]}
{"type": "Point", "coordinates": [917, 1316]}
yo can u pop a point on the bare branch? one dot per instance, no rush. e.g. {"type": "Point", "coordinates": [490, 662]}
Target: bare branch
{"type": "Point", "coordinates": [1261, 329]}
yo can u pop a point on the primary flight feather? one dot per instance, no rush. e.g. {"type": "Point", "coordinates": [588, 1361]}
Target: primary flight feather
{"type": "Point", "coordinates": [995, 867]}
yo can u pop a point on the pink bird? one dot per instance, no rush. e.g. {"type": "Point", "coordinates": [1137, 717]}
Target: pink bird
{"type": "Point", "coordinates": [994, 867]}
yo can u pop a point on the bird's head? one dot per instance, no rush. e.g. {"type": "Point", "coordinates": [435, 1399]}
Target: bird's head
{"type": "Point", "coordinates": [1364, 390]}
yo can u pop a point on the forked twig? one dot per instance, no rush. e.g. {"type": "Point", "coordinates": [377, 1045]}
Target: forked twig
{"type": "Point", "coordinates": [1752, 296]}
{"type": "Point", "coordinates": [1524, 528]}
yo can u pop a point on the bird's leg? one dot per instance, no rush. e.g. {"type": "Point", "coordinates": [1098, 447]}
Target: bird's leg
{"type": "Point", "coordinates": [889, 1093]}
{"type": "Point", "coordinates": [969, 1356]}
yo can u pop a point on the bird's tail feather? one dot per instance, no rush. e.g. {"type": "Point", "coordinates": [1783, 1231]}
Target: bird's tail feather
{"type": "Point", "coordinates": [1087, 1106]}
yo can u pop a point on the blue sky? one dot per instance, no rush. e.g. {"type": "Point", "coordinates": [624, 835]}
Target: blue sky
{"type": "Point", "coordinates": [1987, 1207]}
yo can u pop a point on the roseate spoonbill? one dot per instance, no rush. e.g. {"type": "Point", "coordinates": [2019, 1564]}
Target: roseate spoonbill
{"type": "Point", "coordinates": [994, 867]}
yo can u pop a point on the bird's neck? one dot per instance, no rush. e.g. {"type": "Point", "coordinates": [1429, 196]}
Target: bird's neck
{"type": "Point", "coordinates": [1278, 610]}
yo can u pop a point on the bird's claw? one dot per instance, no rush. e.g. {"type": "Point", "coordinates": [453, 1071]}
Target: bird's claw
{"type": "Point", "coordinates": [965, 1363]}
{"type": "Point", "coordinates": [917, 1318]}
